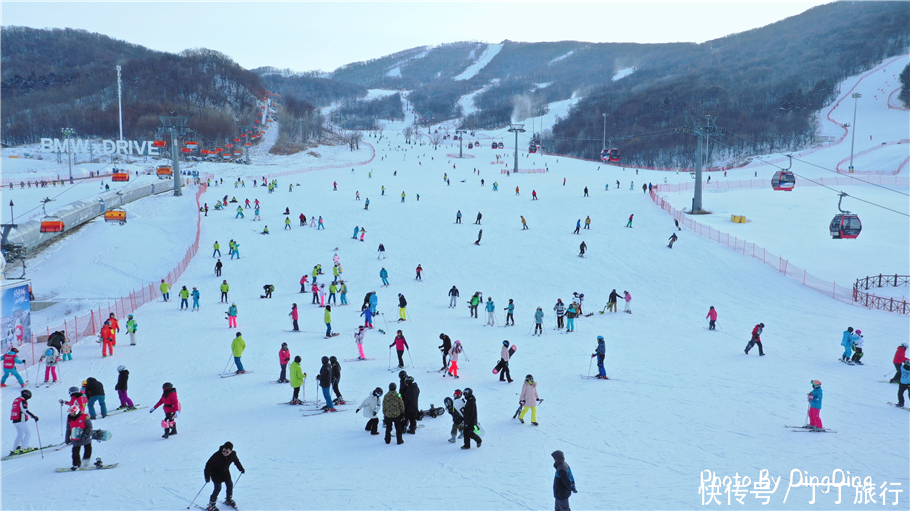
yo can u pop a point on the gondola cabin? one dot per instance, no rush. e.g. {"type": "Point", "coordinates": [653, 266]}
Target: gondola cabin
{"type": "Point", "coordinates": [164, 172]}
{"type": "Point", "coordinates": [120, 176]}
{"type": "Point", "coordinates": [501, 145]}
{"type": "Point", "coordinates": [783, 180]}
{"type": "Point", "coordinates": [845, 226]}
{"type": "Point", "coordinates": [51, 224]}
{"type": "Point", "coordinates": [494, 146]}
{"type": "Point", "coordinates": [470, 145]}
{"type": "Point", "coordinates": [532, 148]}
{"type": "Point", "coordinates": [610, 155]}
{"type": "Point", "coordinates": [115, 215]}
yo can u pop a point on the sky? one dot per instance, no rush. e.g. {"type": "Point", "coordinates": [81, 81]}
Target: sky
{"type": "Point", "coordinates": [295, 35]}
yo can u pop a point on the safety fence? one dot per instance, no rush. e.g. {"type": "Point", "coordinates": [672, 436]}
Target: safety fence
{"type": "Point", "coordinates": [464, 156]}
{"type": "Point", "coordinates": [869, 150]}
{"type": "Point", "coordinates": [523, 171]}
{"type": "Point", "coordinates": [889, 304]}
{"type": "Point", "coordinates": [782, 265]}
{"type": "Point", "coordinates": [34, 181]}
{"type": "Point", "coordinates": [269, 177]}
{"type": "Point", "coordinates": [722, 184]}
{"type": "Point", "coordinates": [90, 323]}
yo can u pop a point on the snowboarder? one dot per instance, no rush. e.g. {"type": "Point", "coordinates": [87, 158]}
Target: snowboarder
{"type": "Point", "coordinates": [410, 397]}
{"type": "Point", "coordinates": [78, 419]}
{"type": "Point", "coordinates": [445, 348]}
{"type": "Point", "coordinates": [847, 342]}
{"type": "Point", "coordinates": [479, 235]}
{"type": "Point", "coordinates": [384, 275]}
{"type": "Point", "coordinates": [267, 289]}
{"type": "Point", "coordinates": [479, 216]}
{"type": "Point", "coordinates": [400, 344]}
{"type": "Point", "coordinates": [327, 319]}
{"type": "Point", "coordinates": [588, 222]}
{"type": "Point", "coordinates": [756, 339]}
{"type": "Point", "coordinates": [393, 414]}
{"type": "Point", "coordinates": [672, 240]}
{"type": "Point", "coordinates": [491, 312]}
{"type": "Point", "coordinates": [528, 400]}
{"type": "Point", "coordinates": [600, 353]}
{"type": "Point", "coordinates": [815, 406]}
{"type": "Point", "coordinates": [336, 379]}
{"type": "Point", "coordinates": [503, 365]}
{"type": "Point", "coordinates": [325, 382]}
{"type": "Point", "coordinates": [563, 482]}
{"type": "Point", "coordinates": [560, 309]}
{"type": "Point", "coordinates": [218, 470]}
{"type": "Point", "coordinates": [402, 308]}
{"type": "Point", "coordinates": [455, 406]}
{"type": "Point", "coordinates": [370, 407]}
{"type": "Point", "coordinates": [676, 221]}
{"type": "Point", "coordinates": [297, 377]}
{"type": "Point", "coordinates": [900, 355]}
{"type": "Point", "coordinates": [171, 407]}
{"type": "Point", "coordinates": [470, 419]}
{"type": "Point", "coordinates": [629, 223]}
{"type": "Point", "coordinates": [581, 249]}
{"type": "Point", "coordinates": [533, 194]}
{"type": "Point", "coordinates": [284, 356]}
{"type": "Point", "coordinates": [524, 223]}
{"type": "Point", "coordinates": [358, 339]}
{"type": "Point", "coordinates": [538, 321]}
{"type": "Point", "coordinates": [712, 318]}
{"type": "Point", "coordinates": [19, 416]}
{"type": "Point", "coordinates": [577, 227]}
{"type": "Point", "coordinates": [366, 203]}
{"type": "Point", "coordinates": [453, 297]}
{"type": "Point", "coordinates": [131, 324]}
{"type": "Point", "coordinates": [238, 345]}
{"type": "Point", "coordinates": [510, 312]}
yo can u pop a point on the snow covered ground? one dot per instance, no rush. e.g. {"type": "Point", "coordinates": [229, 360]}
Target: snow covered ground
{"type": "Point", "coordinates": [489, 52]}
{"type": "Point", "coordinates": [682, 400]}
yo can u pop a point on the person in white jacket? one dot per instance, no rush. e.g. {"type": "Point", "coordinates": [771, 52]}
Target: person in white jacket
{"type": "Point", "coordinates": [370, 407]}
{"type": "Point", "coordinates": [528, 399]}
{"type": "Point", "coordinates": [358, 338]}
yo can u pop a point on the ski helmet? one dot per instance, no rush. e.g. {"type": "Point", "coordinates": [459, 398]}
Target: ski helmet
{"type": "Point", "coordinates": [377, 392]}
{"type": "Point", "coordinates": [120, 369]}
{"type": "Point", "coordinates": [392, 386]}
{"type": "Point", "coordinates": [130, 316]}
{"type": "Point", "coordinates": [409, 380]}
{"type": "Point", "coordinates": [325, 360]}
{"type": "Point", "coordinates": [167, 385]}
{"type": "Point", "coordinates": [761, 325]}
{"type": "Point", "coordinates": [442, 336]}
{"type": "Point", "coordinates": [74, 390]}
{"type": "Point", "coordinates": [457, 393]}
{"type": "Point", "coordinates": [468, 392]}
{"type": "Point", "coordinates": [600, 337]}
{"type": "Point", "coordinates": [905, 346]}
{"type": "Point", "coordinates": [298, 359]}
{"type": "Point", "coordinates": [505, 343]}
{"type": "Point", "coordinates": [284, 345]}
{"type": "Point", "coordinates": [907, 363]}
{"type": "Point", "coordinates": [529, 378]}
{"type": "Point", "coordinates": [333, 359]}
{"type": "Point", "coordinates": [402, 374]}
{"type": "Point", "coordinates": [859, 332]}
{"type": "Point", "coordinates": [850, 329]}
{"type": "Point", "coordinates": [26, 394]}
{"type": "Point", "coordinates": [816, 383]}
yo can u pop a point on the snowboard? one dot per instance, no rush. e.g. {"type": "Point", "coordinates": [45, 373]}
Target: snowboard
{"type": "Point", "coordinates": [228, 375]}
{"type": "Point", "coordinates": [848, 362]}
{"type": "Point", "coordinates": [112, 465]}
{"type": "Point", "coordinates": [334, 334]}
{"type": "Point", "coordinates": [901, 407]}
{"type": "Point", "coordinates": [512, 349]}
{"type": "Point", "coordinates": [98, 434]}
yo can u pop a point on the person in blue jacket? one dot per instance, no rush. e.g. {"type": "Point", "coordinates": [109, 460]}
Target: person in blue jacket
{"type": "Point", "coordinates": [374, 301]}
{"type": "Point", "coordinates": [815, 406]}
{"type": "Point", "coordinates": [490, 307]}
{"type": "Point", "coordinates": [847, 343]}
{"type": "Point", "coordinates": [195, 295]}
{"type": "Point", "coordinates": [563, 482]}
{"type": "Point", "coordinates": [905, 382]}
{"type": "Point", "coordinates": [367, 314]}
{"type": "Point", "coordinates": [600, 353]}
{"type": "Point", "coordinates": [356, 231]}
{"type": "Point", "coordinates": [538, 321]}
{"type": "Point", "coordinates": [384, 275]}
{"type": "Point", "coordinates": [510, 311]}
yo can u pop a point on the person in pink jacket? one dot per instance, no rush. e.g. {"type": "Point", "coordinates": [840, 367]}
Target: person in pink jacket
{"type": "Point", "coordinates": [303, 283]}
{"type": "Point", "coordinates": [400, 345]}
{"type": "Point", "coordinates": [171, 407]}
{"type": "Point", "coordinates": [294, 317]}
{"type": "Point", "coordinates": [284, 356]}
{"type": "Point", "coordinates": [528, 399]}
{"type": "Point", "coordinates": [628, 298]}
{"type": "Point", "coordinates": [712, 317]}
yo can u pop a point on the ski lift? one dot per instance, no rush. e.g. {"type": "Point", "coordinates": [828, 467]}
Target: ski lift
{"type": "Point", "coordinates": [470, 145]}
{"type": "Point", "coordinates": [164, 171]}
{"type": "Point", "coordinates": [532, 148]}
{"type": "Point", "coordinates": [50, 223]}
{"type": "Point", "coordinates": [783, 180]}
{"type": "Point", "coordinates": [610, 155]}
{"type": "Point", "coordinates": [120, 175]}
{"type": "Point", "coordinates": [500, 145]}
{"type": "Point", "coordinates": [845, 225]}
{"type": "Point", "coordinates": [115, 215]}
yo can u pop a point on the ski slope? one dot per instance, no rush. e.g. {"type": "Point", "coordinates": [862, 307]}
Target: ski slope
{"type": "Point", "coordinates": [682, 399]}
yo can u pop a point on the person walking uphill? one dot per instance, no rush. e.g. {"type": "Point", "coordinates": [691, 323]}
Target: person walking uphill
{"type": "Point", "coordinates": [528, 400]}
{"type": "Point", "coordinates": [237, 347]}
{"type": "Point", "coordinates": [504, 355]}
{"type": "Point", "coordinates": [400, 345]}
{"type": "Point", "coordinates": [563, 482]}
{"type": "Point", "coordinates": [165, 290]}
{"type": "Point", "coordinates": [171, 407]}
{"type": "Point", "coordinates": [712, 318]}
{"type": "Point", "coordinates": [453, 297]}
{"type": "Point", "coordinates": [393, 414]}
{"type": "Point", "coordinates": [218, 470]}
{"type": "Point", "coordinates": [470, 419]}
{"type": "Point", "coordinates": [815, 406]}
{"type": "Point", "coordinates": [756, 339]}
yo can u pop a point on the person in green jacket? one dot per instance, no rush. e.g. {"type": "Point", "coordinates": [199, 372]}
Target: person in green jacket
{"type": "Point", "coordinates": [297, 377]}
{"type": "Point", "coordinates": [131, 326]}
{"type": "Point", "coordinates": [184, 295]}
{"type": "Point", "coordinates": [165, 290]}
{"type": "Point", "coordinates": [232, 316]}
{"type": "Point", "coordinates": [237, 347]}
{"type": "Point", "coordinates": [217, 250]}
{"type": "Point", "coordinates": [224, 291]}
{"type": "Point", "coordinates": [328, 321]}
{"type": "Point", "coordinates": [393, 414]}
{"type": "Point", "coordinates": [333, 288]}
{"type": "Point", "coordinates": [475, 302]}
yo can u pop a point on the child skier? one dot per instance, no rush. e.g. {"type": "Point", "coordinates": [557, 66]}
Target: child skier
{"type": "Point", "coordinates": [858, 347]}
{"type": "Point", "coordinates": [294, 317]}
{"type": "Point", "coordinates": [400, 345]}
{"type": "Point", "coordinates": [456, 352]}
{"type": "Point", "coordinates": [711, 317]}
{"type": "Point", "coordinates": [358, 339]}
{"type": "Point", "coordinates": [528, 400]}
{"type": "Point", "coordinates": [284, 356]}
{"type": "Point", "coordinates": [367, 314]}
{"type": "Point", "coordinates": [171, 407]}
{"type": "Point", "coordinates": [815, 406]}
{"type": "Point", "coordinates": [371, 406]}
{"type": "Point", "coordinates": [51, 357]}
{"type": "Point", "coordinates": [232, 316]}
{"type": "Point", "coordinates": [600, 353]}
{"type": "Point", "coordinates": [123, 377]}
{"type": "Point", "coordinates": [19, 416]}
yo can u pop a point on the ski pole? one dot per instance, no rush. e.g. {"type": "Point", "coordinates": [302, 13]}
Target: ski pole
{"type": "Point", "coordinates": [390, 358]}
{"type": "Point", "coordinates": [466, 359]}
{"type": "Point", "coordinates": [228, 363]}
{"type": "Point", "coordinates": [589, 366]}
{"type": "Point", "coordinates": [409, 357]}
{"type": "Point", "coordinates": [529, 330]}
{"type": "Point", "coordinates": [384, 321]}
{"type": "Point", "coordinates": [238, 479]}
{"type": "Point", "coordinates": [197, 495]}
{"type": "Point", "coordinates": [41, 449]}
{"type": "Point", "coordinates": [62, 431]}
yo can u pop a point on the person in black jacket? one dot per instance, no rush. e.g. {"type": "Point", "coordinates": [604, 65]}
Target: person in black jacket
{"type": "Point", "coordinates": [325, 381]}
{"type": "Point", "coordinates": [94, 391]}
{"type": "Point", "coordinates": [218, 266]}
{"type": "Point", "coordinates": [411, 394]}
{"type": "Point", "coordinates": [563, 483]}
{"type": "Point", "coordinates": [445, 348]}
{"type": "Point", "coordinates": [611, 302]}
{"type": "Point", "coordinates": [470, 419]}
{"type": "Point", "coordinates": [218, 470]}
{"type": "Point", "coordinates": [336, 378]}
{"type": "Point", "coordinates": [453, 297]}
{"type": "Point", "coordinates": [402, 308]}
{"type": "Point", "coordinates": [123, 376]}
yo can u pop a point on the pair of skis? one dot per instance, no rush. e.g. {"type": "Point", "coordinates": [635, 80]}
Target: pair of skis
{"type": "Point", "coordinates": [26, 452]}
{"type": "Point", "coordinates": [228, 375]}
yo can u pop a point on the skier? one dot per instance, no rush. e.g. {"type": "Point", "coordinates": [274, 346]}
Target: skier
{"type": "Point", "coordinates": [419, 270]}
{"type": "Point", "coordinates": [538, 321]}
{"type": "Point", "coordinates": [374, 301]}
{"type": "Point", "coordinates": [321, 225]}
{"type": "Point", "coordinates": [815, 406]}
{"type": "Point", "coordinates": [847, 342]}
{"type": "Point", "coordinates": [563, 482]}
{"type": "Point", "coordinates": [628, 299]}
{"type": "Point", "coordinates": [491, 312]}
{"type": "Point", "coordinates": [171, 407]}
{"type": "Point", "coordinates": [504, 355]}
{"type": "Point", "coordinates": [384, 275]}
{"type": "Point", "coordinates": [454, 354]}
{"type": "Point", "coordinates": [297, 377]}
{"type": "Point", "coordinates": [165, 290]}
{"type": "Point", "coordinates": [528, 400]}
{"type": "Point", "coordinates": [393, 414]}
{"type": "Point", "coordinates": [358, 339]}
{"type": "Point", "coordinates": [336, 379]}
{"type": "Point", "coordinates": [402, 197]}
{"type": "Point", "coordinates": [904, 382]}
{"type": "Point", "coordinates": [453, 297]}
{"type": "Point", "coordinates": [131, 324]}
{"type": "Point", "coordinates": [51, 357]}
{"type": "Point", "coordinates": [560, 309]}
{"type": "Point", "coordinates": [577, 227]}
{"type": "Point", "coordinates": [410, 396]}
{"type": "Point", "coordinates": [400, 344]}
{"type": "Point", "coordinates": [588, 222]}
{"type": "Point", "coordinates": [107, 340]}
{"type": "Point", "coordinates": [455, 405]}
{"type": "Point", "coordinates": [294, 317]}
{"type": "Point", "coordinates": [370, 407]}
{"type": "Point", "coordinates": [571, 313]}
{"type": "Point", "coordinates": [325, 381]}
{"type": "Point", "coordinates": [756, 339]}
{"type": "Point", "coordinates": [343, 292]}
{"type": "Point", "coordinates": [479, 216]}
{"type": "Point", "coordinates": [184, 295]}
{"type": "Point", "coordinates": [366, 203]}
{"type": "Point", "coordinates": [239, 212]}
{"type": "Point", "coordinates": [672, 240]}
{"type": "Point", "coordinates": [479, 235]}
{"type": "Point", "coordinates": [858, 347]}
{"type": "Point", "coordinates": [333, 289]}
{"type": "Point", "coordinates": [533, 194]}
{"type": "Point", "coordinates": [19, 416]}
{"type": "Point", "coordinates": [287, 223]}
{"type": "Point", "coordinates": [510, 310]}
{"type": "Point", "coordinates": [516, 191]}
{"type": "Point", "coordinates": [224, 291]}
{"type": "Point", "coordinates": [445, 348]}
{"type": "Point", "coordinates": [284, 356]}
{"type": "Point", "coordinates": [402, 308]}
{"type": "Point", "coordinates": [524, 223]}
{"type": "Point", "coordinates": [600, 353]}
{"type": "Point", "coordinates": [194, 294]}
{"type": "Point", "coordinates": [611, 303]}
{"type": "Point", "coordinates": [712, 318]}
{"type": "Point", "coordinates": [470, 419]}
{"type": "Point", "coordinates": [900, 355]}
{"type": "Point", "coordinates": [327, 318]}
{"type": "Point", "coordinates": [302, 219]}
{"type": "Point", "coordinates": [581, 249]}
{"type": "Point", "coordinates": [232, 316]}
{"type": "Point", "coordinates": [367, 314]}
{"type": "Point", "coordinates": [237, 347]}
{"type": "Point", "coordinates": [218, 470]}
{"type": "Point", "coordinates": [94, 391]}
{"type": "Point", "coordinates": [78, 419]}
{"type": "Point", "coordinates": [474, 303]}
{"type": "Point", "coordinates": [315, 290]}
{"type": "Point", "coordinates": [629, 223]}
{"type": "Point", "coordinates": [381, 252]}
{"type": "Point", "coordinates": [458, 217]}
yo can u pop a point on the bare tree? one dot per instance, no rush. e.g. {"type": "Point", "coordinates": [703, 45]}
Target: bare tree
{"type": "Point", "coordinates": [435, 138]}
{"type": "Point", "coordinates": [407, 132]}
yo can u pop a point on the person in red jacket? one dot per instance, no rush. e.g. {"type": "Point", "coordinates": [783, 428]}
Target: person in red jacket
{"type": "Point", "coordinates": [756, 339]}
{"type": "Point", "coordinates": [284, 356]}
{"type": "Point", "coordinates": [115, 326]}
{"type": "Point", "coordinates": [303, 283]}
{"type": "Point", "coordinates": [899, 356]}
{"type": "Point", "coordinates": [171, 407]}
{"type": "Point", "coordinates": [712, 318]}
{"type": "Point", "coordinates": [400, 345]}
{"type": "Point", "coordinates": [107, 340]}
{"type": "Point", "coordinates": [76, 398]}
{"type": "Point", "coordinates": [294, 317]}
{"type": "Point", "coordinates": [19, 416]}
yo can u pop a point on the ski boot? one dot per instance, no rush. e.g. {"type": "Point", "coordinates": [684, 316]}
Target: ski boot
{"type": "Point", "coordinates": [211, 506]}
{"type": "Point", "coordinates": [121, 407]}
{"type": "Point", "coordinates": [230, 502]}
{"type": "Point", "coordinates": [534, 423]}
{"type": "Point", "coordinates": [98, 463]}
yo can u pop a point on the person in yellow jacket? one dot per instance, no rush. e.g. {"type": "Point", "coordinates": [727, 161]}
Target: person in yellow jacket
{"type": "Point", "coordinates": [287, 224]}
{"type": "Point", "coordinates": [237, 347]}
{"type": "Point", "coordinates": [328, 321]}
{"type": "Point", "coordinates": [184, 295]}
{"type": "Point", "coordinates": [217, 250]}
{"type": "Point", "coordinates": [224, 291]}
{"type": "Point", "coordinates": [297, 377]}
{"type": "Point", "coordinates": [165, 290]}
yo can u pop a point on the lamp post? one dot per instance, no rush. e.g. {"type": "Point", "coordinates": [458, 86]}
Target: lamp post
{"type": "Point", "coordinates": [605, 132]}
{"type": "Point", "coordinates": [855, 96]}
{"type": "Point", "coordinates": [67, 133]}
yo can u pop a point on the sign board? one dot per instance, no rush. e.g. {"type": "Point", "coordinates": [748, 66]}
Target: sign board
{"type": "Point", "coordinates": [15, 324]}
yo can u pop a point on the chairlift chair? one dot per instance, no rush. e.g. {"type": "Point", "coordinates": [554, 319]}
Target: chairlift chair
{"type": "Point", "coordinates": [164, 172]}
{"type": "Point", "coordinates": [501, 145]}
{"type": "Point", "coordinates": [845, 225]}
{"type": "Point", "coordinates": [120, 175]}
{"type": "Point", "coordinates": [115, 215]}
{"type": "Point", "coordinates": [51, 223]}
